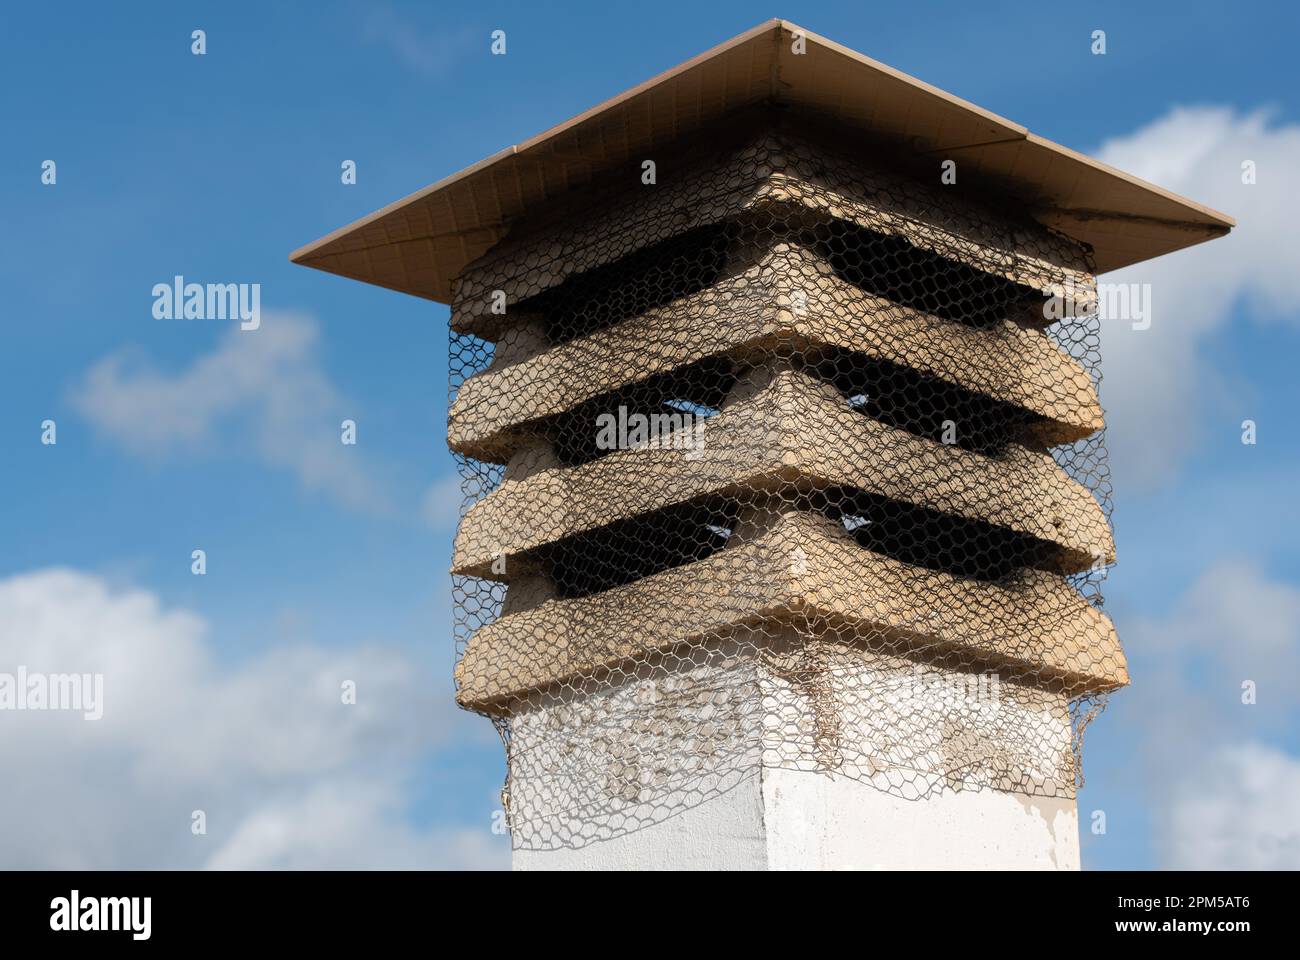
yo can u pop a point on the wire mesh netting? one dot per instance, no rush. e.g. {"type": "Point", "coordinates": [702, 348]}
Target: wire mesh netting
{"type": "Point", "coordinates": [780, 460]}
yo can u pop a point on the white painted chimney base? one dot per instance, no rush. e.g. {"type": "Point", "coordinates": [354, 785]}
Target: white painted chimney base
{"type": "Point", "coordinates": [709, 761]}
{"type": "Point", "coordinates": [795, 820]}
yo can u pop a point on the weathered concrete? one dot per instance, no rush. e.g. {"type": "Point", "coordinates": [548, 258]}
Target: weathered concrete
{"type": "Point", "coordinates": [789, 294]}
{"type": "Point", "coordinates": [776, 172]}
{"type": "Point", "coordinates": [684, 767]}
{"type": "Point", "coordinates": [779, 427]}
{"type": "Point", "coordinates": [799, 567]}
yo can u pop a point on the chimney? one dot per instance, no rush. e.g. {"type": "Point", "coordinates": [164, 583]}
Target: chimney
{"type": "Point", "coordinates": [774, 392]}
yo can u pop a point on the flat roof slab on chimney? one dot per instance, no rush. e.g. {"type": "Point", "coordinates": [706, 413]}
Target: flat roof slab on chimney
{"type": "Point", "coordinates": [421, 243]}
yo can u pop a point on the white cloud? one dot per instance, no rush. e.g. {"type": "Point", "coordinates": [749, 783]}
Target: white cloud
{"type": "Point", "coordinates": [1239, 812]}
{"type": "Point", "coordinates": [1219, 796]}
{"type": "Point", "coordinates": [287, 775]}
{"type": "Point", "coordinates": [1245, 623]}
{"type": "Point", "coordinates": [267, 382]}
{"type": "Point", "coordinates": [357, 826]}
{"type": "Point", "coordinates": [1159, 383]}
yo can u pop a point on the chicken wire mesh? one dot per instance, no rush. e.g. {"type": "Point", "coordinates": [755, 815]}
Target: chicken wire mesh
{"type": "Point", "coordinates": [780, 460]}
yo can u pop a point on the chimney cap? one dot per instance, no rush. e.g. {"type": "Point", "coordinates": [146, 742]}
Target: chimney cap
{"type": "Point", "coordinates": [421, 243]}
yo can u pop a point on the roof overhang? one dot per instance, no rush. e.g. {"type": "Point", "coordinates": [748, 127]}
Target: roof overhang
{"type": "Point", "coordinates": [421, 243]}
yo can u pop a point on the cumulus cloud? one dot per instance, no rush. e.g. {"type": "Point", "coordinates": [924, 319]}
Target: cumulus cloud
{"type": "Point", "coordinates": [286, 774]}
{"type": "Point", "coordinates": [1159, 382]}
{"type": "Point", "coordinates": [1238, 813]}
{"type": "Point", "coordinates": [1220, 795]}
{"type": "Point", "coordinates": [1237, 617]}
{"type": "Point", "coordinates": [266, 385]}
{"type": "Point", "coordinates": [360, 826]}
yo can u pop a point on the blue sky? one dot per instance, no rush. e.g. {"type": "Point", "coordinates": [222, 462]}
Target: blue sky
{"type": "Point", "coordinates": [215, 167]}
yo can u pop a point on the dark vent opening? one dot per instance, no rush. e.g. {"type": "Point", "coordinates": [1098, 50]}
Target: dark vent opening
{"type": "Point", "coordinates": [641, 546]}
{"type": "Point", "coordinates": [623, 552]}
{"type": "Point", "coordinates": [892, 268]}
{"type": "Point", "coordinates": [644, 279]}
{"type": "Point", "coordinates": [921, 404]}
{"type": "Point", "coordinates": [927, 538]}
{"type": "Point", "coordinates": [692, 392]}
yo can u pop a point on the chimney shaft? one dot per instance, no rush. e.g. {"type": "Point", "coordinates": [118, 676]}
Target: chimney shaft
{"type": "Point", "coordinates": [787, 574]}
{"type": "Point", "coordinates": [774, 392]}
